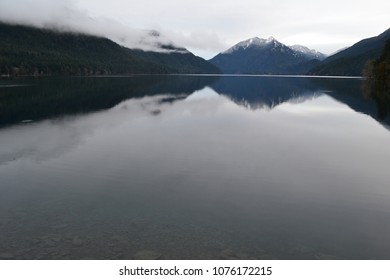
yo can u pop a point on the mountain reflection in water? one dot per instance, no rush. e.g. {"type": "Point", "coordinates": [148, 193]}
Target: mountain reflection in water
{"type": "Point", "coordinates": [192, 167]}
{"type": "Point", "coordinates": [36, 99]}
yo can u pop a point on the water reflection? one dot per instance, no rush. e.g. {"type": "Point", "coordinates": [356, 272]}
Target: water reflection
{"type": "Point", "coordinates": [269, 92]}
{"type": "Point", "coordinates": [47, 139]}
{"type": "Point", "coordinates": [354, 94]}
{"type": "Point", "coordinates": [266, 92]}
{"type": "Point", "coordinates": [189, 174]}
{"type": "Point", "coordinates": [379, 91]}
{"type": "Point", "coordinates": [36, 99]}
{"type": "Point", "coordinates": [23, 101]}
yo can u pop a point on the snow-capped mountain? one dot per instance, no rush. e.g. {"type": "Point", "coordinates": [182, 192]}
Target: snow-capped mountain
{"type": "Point", "coordinates": [253, 42]}
{"type": "Point", "coordinates": [309, 53]}
{"type": "Point", "coordinates": [264, 56]}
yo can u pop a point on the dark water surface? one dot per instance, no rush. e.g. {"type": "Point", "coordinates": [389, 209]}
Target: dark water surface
{"type": "Point", "coordinates": [192, 167]}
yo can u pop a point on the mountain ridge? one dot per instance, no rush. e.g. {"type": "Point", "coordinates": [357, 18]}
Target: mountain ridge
{"type": "Point", "coordinates": [265, 56]}
{"type": "Point", "coordinates": [309, 53]}
{"type": "Point", "coordinates": [255, 41]}
{"type": "Point", "coordinates": [351, 61]}
{"type": "Point", "coordinates": [26, 50]}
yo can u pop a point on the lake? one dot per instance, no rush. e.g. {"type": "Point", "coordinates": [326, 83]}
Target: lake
{"type": "Point", "coordinates": [193, 167]}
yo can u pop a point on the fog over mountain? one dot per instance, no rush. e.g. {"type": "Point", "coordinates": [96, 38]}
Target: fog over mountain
{"type": "Point", "coordinates": [67, 16]}
{"type": "Point", "coordinates": [208, 27]}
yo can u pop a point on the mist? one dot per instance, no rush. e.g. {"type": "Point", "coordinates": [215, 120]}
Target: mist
{"type": "Point", "coordinates": [66, 16]}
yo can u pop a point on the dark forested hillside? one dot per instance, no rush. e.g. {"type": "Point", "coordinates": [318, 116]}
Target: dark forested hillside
{"type": "Point", "coordinates": [179, 59]}
{"type": "Point", "coordinates": [351, 61]}
{"type": "Point", "coordinates": [31, 51]}
{"type": "Point", "coordinates": [377, 83]}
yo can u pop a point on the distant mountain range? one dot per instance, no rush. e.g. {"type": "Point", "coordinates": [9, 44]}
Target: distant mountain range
{"type": "Point", "coordinates": [266, 56]}
{"type": "Point", "coordinates": [32, 51]}
{"type": "Point", "coordinates": [351, 61]}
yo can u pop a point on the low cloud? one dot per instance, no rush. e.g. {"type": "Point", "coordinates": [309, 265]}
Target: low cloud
{"type": "Point", "coordinates": [66, 16]}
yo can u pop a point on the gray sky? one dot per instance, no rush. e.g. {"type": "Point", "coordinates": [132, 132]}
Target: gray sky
{"type": "Point", "coordinates": [209, 27]}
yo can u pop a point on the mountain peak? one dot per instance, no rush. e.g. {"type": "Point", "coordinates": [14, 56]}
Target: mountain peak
{"type": "Point", "coordinates": [265, 56]}
{"type": "Point", "coordinates": [261, 41]}
{"type": "Point", "coordinates": [271, 39]}
{"type": "Point", "coordinates": [252, 42]}
{"type": "Point", "coordinates": [308, 53]}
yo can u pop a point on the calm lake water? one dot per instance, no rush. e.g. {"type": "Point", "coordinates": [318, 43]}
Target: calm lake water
{"type": "Point", "coordinates": [193, 167]}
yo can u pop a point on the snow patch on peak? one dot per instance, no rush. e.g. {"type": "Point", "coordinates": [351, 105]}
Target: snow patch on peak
{"type": "Point", "coordinates": [303, 49]}
{"type": "Point", "coordinates": [270, 39]}
{"type": "Point", "coordinates": [255, 41]}
{"type": "Point", "coordinates": [309, 53]}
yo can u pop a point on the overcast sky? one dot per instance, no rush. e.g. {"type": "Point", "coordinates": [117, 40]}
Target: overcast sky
{"type": "Point", "coordinates": [208, 27]}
